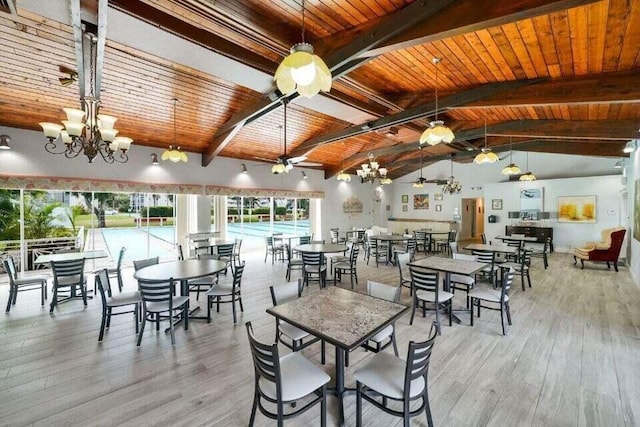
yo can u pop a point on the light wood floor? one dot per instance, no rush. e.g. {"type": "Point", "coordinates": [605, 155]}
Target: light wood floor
{"type": "Point", "coordinates": [571, 358]}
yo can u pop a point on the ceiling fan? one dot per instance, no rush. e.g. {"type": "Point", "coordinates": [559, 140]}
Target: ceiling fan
{"type": "Point", "coordinates": [284, 163]}
{"type": "Point", "coordinates": [68, 81]}
{"type": "Point", "coordinates": [421, 181]}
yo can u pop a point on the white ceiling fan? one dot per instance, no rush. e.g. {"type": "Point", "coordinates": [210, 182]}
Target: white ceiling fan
{"type": "Point", "coordinates": [421, 181]}
{"type": "Point", "coordinates": [284, 163]}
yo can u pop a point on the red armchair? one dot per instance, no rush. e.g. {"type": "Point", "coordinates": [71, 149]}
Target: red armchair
{"type": "Point", "coordinates": [608, 250]}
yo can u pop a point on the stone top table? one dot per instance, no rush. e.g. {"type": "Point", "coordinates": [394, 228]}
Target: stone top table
{"type": "Point", "coordinates": [492, 248]}
{"type": "Point", "coordinates": [324, 248]}
{"type": "Point", "coordinates": [448, 265]}
{"type": "Point", "coordinates": [343, 318]}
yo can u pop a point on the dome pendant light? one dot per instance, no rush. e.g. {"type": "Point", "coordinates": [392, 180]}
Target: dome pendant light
{"type": "Point", "coordinates": [512, 168]}
{"type": "Point", "coordinates": [302, 71]}
{"type": "Point", "coordinates": [437, 132]}
{"type": "Point", "coordinates": [486, 155]}
{"type": "Point", "coordinates": [528, 176]}
{"type": "Point", "coordinates": [174, 153]}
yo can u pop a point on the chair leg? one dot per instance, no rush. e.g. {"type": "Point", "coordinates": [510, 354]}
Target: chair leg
{"type": "Point", "coordinates": [209, 302]}
{"type": "Point", "coordinates": [358, 405]}
{"type": "Point", "coordinates": [438, 325]}
{"type": "Point", "coordinates": [451, 312]}
{"type": "Point", "coordinates": [472, 302]}
{"type": "Point", "coordinates": [135, 316]}
{"type": "Point", "coordinates": [233, 309]}
{"type": "Point", "coordinates": [255, 406]}
{"type": "Point", "coordinates": [393, 341]}
{"type": "Point", "coordinates": [54, 299]}
{"type": "Point", "coordinates": [171, 329]}
{"type": "Point", "coordinates": [582, 264]}
{"type": "Point", "coordinates": [413, 310]}
{"type": "Point", "coordinates": [322, 349]}
{"type": "Point", "coordinates": [508, 310]}
{"type": "Point", "coordinates": [10, 299]}
{"type": "Point", "coordinates": [144, 321]}
{"type": "Point", "coordinates": [42, 290]}
{"type": "Point", "coordinates": [240, 301]}
{"type": "Point", "coordinates": [504, 332]}
{"type": "Point", "coordinates": [103, 323]}
{"type": "Point", "coordinates": [323, 407]}
{"type": "Point", "coordinates": [615, 266]}
{"type": "Point", "coordinates": [83, 288]}
{"type": "Point", "coordinates": [529, 277]}
{"type": "Point", "coordinates": [109, 317]}
{"type": "Point", "coordinates": [522, 278]}
{"type": "Point", "coordinates": [186, 316]}
{"type": "Point", "coordinates": [427, 408]}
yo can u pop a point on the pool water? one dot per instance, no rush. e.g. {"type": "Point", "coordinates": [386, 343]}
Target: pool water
{"type": "Point", "coordinates": [135, 240]}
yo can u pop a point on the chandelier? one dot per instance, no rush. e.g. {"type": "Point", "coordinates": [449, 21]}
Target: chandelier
{"type": "Point", "coordinates": [174, 153]}
{"type": "Point", "coordinates": [529, 176]}
{"type": "Point", "coordinates": [511, 168]}
{"type": "Point", "coordinates": [371, 171]}
{"type": "Point", "coordinates": [302, 71]}
{"type": "Point", "coordinates": [86, 131]}
{"type": "Point", "coordinates": [486, 155]}
{"type": "Point", "coordinates": [452, 186]}
{"type": "Point", "coordinates": [437, 132]}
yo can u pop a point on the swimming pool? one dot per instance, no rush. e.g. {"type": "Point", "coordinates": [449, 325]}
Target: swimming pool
{"type": "Point", "coordinates": [135, 240]}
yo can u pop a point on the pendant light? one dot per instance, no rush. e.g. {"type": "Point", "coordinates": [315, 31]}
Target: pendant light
{"type": "Point", "coordinates": [528, 176]}
{"type": "Point", "coordinates": [512, 168]}
{"type": "Point", "coordinates": [343, 176]}
{"type": "Point", "coordinates": [174, 153]}
{"type": "Point", "coordinates": [303, 71]}
{"type": "Point", "coordinates": [437, 132]}
{"type": "Point", "coordinates": [486, 155]}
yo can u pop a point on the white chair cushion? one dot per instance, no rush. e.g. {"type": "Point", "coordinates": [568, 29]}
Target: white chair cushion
{"type": "Point", "coordinates": [292, 332]}
{"type": "Point", "coordinates": [384, 373]}
{"type": "Point", "coordinates": [30, 280]}
{"type": "Point", "coordinates": [124, 298]}
{"type": "Point", "coordinates": [220, 289]}
{"type": "Point", "coordinates": [158, 307]}
{"type": "Point", "coordinates": [383, 334]}
{"type": "Point", "coordinates": [207, 280]}
{"type": "Point", "coordinates": [487, 294]}
{"type": "Point", "coordinates": [431, 296]}
{"type": "Point", "coordinates": [70, 280]}
{"type": "Point", "coordinates": [299, 378]}
{"type": "Point", "coordinates": [461, 278]}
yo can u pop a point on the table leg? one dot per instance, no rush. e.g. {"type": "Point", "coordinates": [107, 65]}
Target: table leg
{"type": "Point", "coordinates": [340, 383]}
{"type": "Point", "coordinates": [447, 287]}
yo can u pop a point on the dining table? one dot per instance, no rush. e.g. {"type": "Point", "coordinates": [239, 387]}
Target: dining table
{"type": "Point", "coordinates": [72, 256]}
{"type": "Point", "coordinates": [209, 244]}
{"type": "Point", "coordinates": [390, 239]}
{"type": "Point", "coordinates": [517, 238]}
{"type": "Point", "coordinates": [450, 266]}
{"type": "Point", "coordinates": [343, 318]}
{"type": "Point", "coordinates": [289, 238]}
{"type": "Point", "coordinates": [182, 271]}
{"type": "Point", "coordinates": [491, 248]}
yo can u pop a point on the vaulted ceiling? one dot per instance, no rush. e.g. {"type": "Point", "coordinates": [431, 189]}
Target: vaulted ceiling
{"type": "Point", "coordinates": [557, 76]}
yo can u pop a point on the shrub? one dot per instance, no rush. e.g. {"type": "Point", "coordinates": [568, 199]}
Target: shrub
{"type": "Point", "coordinates": [157, 212]}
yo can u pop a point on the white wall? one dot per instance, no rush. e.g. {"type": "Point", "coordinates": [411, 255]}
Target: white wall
{"type": "Point", "coordinates": [607, 190]}
{"type": "Point", "coordinates": [633, 174]}
{"type": "Point", "coordinates": [28, 157]}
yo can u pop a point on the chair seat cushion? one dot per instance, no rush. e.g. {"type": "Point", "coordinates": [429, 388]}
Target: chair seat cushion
{"type": "Point", "coordinates": [30, 280]}
{"type": "Point", "coordinates": [339, 258]}
{"type": "Point", "coordinates": [207, 280]}
{"type": "Point", "coordinates": [516, 266]}
{"type": "Point", "coordinates": [158, 307]}
{"type": "Point", "coordinates": [487, 294]}
{"type": "Point", "coordinates": [342, 266]}
{"type": "Point", "coordinates": [124, 298]}
{"type": "Point", "coordinates": [70, 280]}
{"type": "Point", "coordinates": [296, 262]}
{"type": "Point", "coordinates": [384, 373]}
{"type": "Point", "coordinates": [292, 332]}
{"type": "Point", "coordinates": [299, 377]}
{"type": "Point", "coordinates": [461, 278]}
{"type": "Point", "coordinates": [383, 334]}
{"type": "Point", "coordinates": [431, 296]}
{"type": "Point", "coordinates": [113, 270]}
{"type": "Point", "coordinates": [220, 289]}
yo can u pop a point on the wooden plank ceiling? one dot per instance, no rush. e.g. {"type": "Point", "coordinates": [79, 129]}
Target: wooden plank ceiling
{"type": "Point", "coordinates": [580, 61]}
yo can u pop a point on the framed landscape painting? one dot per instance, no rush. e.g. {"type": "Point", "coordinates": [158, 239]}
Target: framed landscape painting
{"type": "Point", "coordinates": [420, 201]}
{"type": "Point", "coordinates": [577, 209]}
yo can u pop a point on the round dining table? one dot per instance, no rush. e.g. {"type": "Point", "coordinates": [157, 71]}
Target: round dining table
{"type": "Point", "coordinates": [323, 248]}
{"type": "Point", "coordinates": [182, 271]}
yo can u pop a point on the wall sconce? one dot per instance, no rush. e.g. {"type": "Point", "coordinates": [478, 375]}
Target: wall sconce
{"type": "Point", "coordinates": [4, 142]}
{"type": "Point", "coordinates": [304, 175]}
{"type": "Point", "coordinates": [154, 159]}
{"type": "Point", "coordinates": [244, 168]}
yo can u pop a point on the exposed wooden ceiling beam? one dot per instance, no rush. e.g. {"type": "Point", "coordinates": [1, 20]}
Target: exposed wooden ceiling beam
{"type": "Point", "coordinates": [410, 114]}
{"type": "Point", "coordinates": [76, 23]}
{"type": "Point", "coordinates": [467, 16]}
{"type": "Point", "coordinates": [340, 62]}
{"type": "Point", "coordinates": [100, 44]}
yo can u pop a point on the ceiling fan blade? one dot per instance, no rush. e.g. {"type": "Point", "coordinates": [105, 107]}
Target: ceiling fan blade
{"type": "Point", "coordinates": [66, 70]}
{"type": "Point", "coordinates": [265, 160]}
{"type": "Point", "coordinates": [436, 181]}
{"type": "Point", "coordinates": [309, 164]}
{"type": "Point", "coordinates": [297, 159]}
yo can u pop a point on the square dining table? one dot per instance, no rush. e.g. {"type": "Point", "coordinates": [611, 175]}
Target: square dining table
{"type": "Point", "coordinates": [343, 318]}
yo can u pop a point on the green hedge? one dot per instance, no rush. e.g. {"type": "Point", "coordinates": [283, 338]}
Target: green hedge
{"type": "Point", "coordinates": [157, 212]}
{"type": "Point", "coordinates": [280, 210]}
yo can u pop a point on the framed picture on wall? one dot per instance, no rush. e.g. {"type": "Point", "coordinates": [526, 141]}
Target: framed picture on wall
{"type": "Point", "coordinates": [438, 208]}
{"type": "Point", "coordinates": [496, 204]}
{"type": "Point", "coordinates": [577, 209]}
{"type": "Point", "coordinates": [405, 198]}
{"type": "Point", "coordinates": [405, 208]}
{"type": "Point", "coordinates": [420, 201]}
{"type": "Point", "coordinates": [437, 196]}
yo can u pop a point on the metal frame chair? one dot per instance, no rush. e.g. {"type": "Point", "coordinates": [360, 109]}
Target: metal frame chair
{"type": "Point", "coordinates": [109, 302]}
{"type": "Point", "coordinates": [157, 298]}
{"type": "Point", "coordinates": [22, 284]}
{"type": "Point", "coordinates": [388, 293]}
{"type": "Point", "coordinates": [349, 267]}
{"type": "Point", "coordinates": [68, 274]}
{"type": "Point", "coordinates": [494, 296]}
{"type": "Point", "coordinates": [313, 264]}
{"type": "Point", "coordinates": [231, 290]}
{"type": "Point", "coordinates": [402, 261]}
{"type": "Point", "coordinates": [426, 289]}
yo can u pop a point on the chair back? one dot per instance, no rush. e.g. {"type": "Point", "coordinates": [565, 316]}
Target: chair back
{"type": "Point", "coordinates": [156, 291]}
{"type": "Point", "coordinates": [72, 270]}
{"type": "Point", "coordinates": [423, 279]}
{"type": "Point", "coordinates": [412, 245]}
{"type": "Point", "coordinates": [525, 257]}
{"type": "Point", "coordinates": [418, 357]}
{"type": "Point", "coordinates": [304, 240]}
{"type": "Point", "coordinates": [209, 256]}
{"type": "Point", "coordinates": [236, 247]}
{"type": "Point", "coordinates": [514, 243]}
{"type": "Point", "coordinates": [226, 251]}
{"type": "Point", "coordinates": [488, 257]}
{"type": "Point", "coordinates": [120, 258]}
{"type": "Point", "coordinates": [382, 291]}
{"type": "Point", "coordinates": [353, 255]}
{"type": "Point", "coordinates": [484, 238]}
{"type": "Point", "coordinates": [266, 361]}
{"type": "Point", "coordinates": [237, 276]}
{"type": "Point", "coordinates": [269, 241]}
{"type": "Point", "coordinates": [312, 259]}
{"type": "Point", "coordinates": [334, 235]}
{"type": "Point", "coordinates": [180, 253]}
{"type": "Point", "coordinates": [464, 257]}
{"type": "Point", "coordinates": [507, 281]}
{"type": "Point", "coordinates": [10, 268]}
{"type": "Point", "coordinates": [452, 235]}
{"type": "Point", "coordinates": [547, 243]}
{"type": "Point", "coordinates": [142, 263]}
{"type": "Point", "coordinates": [402, 260]}
{"type": "Point", "coordinates": [287, 292]}
{"type": "Point", "coordinates": [454, 248]}
{"type": "Point", "coordinates": [373, 243]}
{"type": "Point", "coordinates": [104, 285]}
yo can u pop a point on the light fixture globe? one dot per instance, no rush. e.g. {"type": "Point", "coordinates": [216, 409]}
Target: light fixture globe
{"type": "Point", "coordinates": [343, 176]}
{"type": "Point", "coordinates": [279, 168]}
{"type": "Point", "coordinates": [174, 154]}
{"type": "Point", "coordinates": [436, 133]}
{"type": "Point", "coordinates": [486, 156]}
{"type": "Point", "coordinates": [418, 184]}
{"type": "Point", "coordinates": [304, 72]}
{"type": "Point", "coordinates": [511, 169]}
{"type": "Point", "coordinates": [527, 177]}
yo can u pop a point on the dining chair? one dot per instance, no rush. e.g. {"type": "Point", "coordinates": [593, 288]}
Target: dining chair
{"type": "Point", "coordinates": [285, 380]}
{"type": "Point", "coordinates": [462, 282]}
{"type": "Point", "coordinates": [491, 270]}
{"type": "Point", "coordinates": [22, 284]}
{"type": "Point", "coordinates": [273, 248]}
{"type": "Point", "coordinates": [389, 293]}
{"type": "Point", "coordinates": [453, 247]}
{"type": "Point", "coordinates": [335, 236]}
{"type": "Point", "coordinates": [402, 261]}
{"type": "Point", "coordinates": [542, 253]}
{"type": "Point", "coordinates": [426, 291]}
{"type": "Point", "coordinates": [484, 238]}
{"type": "Point", "coordinates": [347, 267]}
{"type": "Point", "coordinates": [111, 302]}
{"type": "Point", "coordinates": [410, 247]}
{"type": "Point", "coordinates": [337, 258]}
{"type": "Point", "coordinates": [422, 241]}
{"type": "Point", "coordinates": [114, 271]}
{"type": "Point", "coordinates": [291, 336]}
{"type": "Point", "coordinates": [225, 253]}
{"type": "Point", "coordinates": [142, 263]}
{"type": "Point", "coordinates": [493, 297]}
{"type": "Point", "coordinates": [157, 299]}
{"type": "Point", "coordinates": [236, 251]}
{"type": "Point", "coordinates": [517, 244]}
{"type": "Point", "coordinates": [314, 268]}
{"type": "Point", "coordinates": [227, 292]}
{"type": "Point", "coordinates": [522, 267]}
{"type": "Point", "coordinates": [398, 380]}
{"type": "Point", "coordinates": [444, 244]}
{"type": "Point", "coordinates": [203, 284]}
{"type": "Point", "coordinates": [68, 278]}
